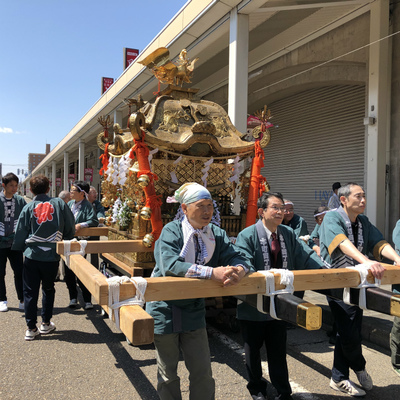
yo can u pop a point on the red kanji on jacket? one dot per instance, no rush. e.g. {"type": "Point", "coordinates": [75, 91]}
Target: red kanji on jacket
{"type": "Point", "coordinates": [43, 212]}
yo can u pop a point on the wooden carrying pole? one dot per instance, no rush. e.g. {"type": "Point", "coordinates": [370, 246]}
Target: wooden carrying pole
{"type": "Point", "coordinates": [98, 231]}
{"type": "Point", "coordinates": [136, 324]}
{"type": "Point", "coordinates": [107, 246]}
{"type": "Point", "coordinates": [377, 299]}
{"type": "Point", "coordinates": [291, 309]}
{"type": "Point", "coordinates": [171, 288]}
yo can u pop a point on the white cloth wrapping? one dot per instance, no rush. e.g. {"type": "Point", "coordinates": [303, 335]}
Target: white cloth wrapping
{"type": "Point", "coordinates": [67, 248]}
{"type": "Point", "coordinates": [113, 295]}
{"type": "Point", "coordinates": [287, 278]}
{"type": "Point", "coordinates": [362, 300]}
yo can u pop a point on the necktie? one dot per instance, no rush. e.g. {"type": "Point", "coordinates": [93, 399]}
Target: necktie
{"type": "Point", "coordinates": [275, 247]}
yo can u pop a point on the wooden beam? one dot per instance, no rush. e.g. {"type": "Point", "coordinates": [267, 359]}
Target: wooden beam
{"type": "Point", "coordinates": [121, 266]}
{"type": "Point", "coordinates": [377, 299]}
{"type": "Point", "coordinates": [98, 231]}
{"type": "Point", "coordinates": [291, 309]}
{"type": "Point", "coordinates": [107, 246]}
{"type": "Point", "coordinates": [136, 324]}
{"type": "Point", "coordinates": [172, 288]}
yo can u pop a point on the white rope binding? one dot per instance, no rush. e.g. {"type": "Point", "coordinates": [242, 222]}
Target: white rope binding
{"type": "Point", "coordinates": [287, 278]}
{"type": "Point", "coordinates": [362, 299]}
{"type": "Point", "coordinates": [113, 294]}
{"type": "Point", "coordinates": [67, 248]}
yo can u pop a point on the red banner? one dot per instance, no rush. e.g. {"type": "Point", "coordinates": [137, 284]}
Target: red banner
{"type": "Point", "coordinates": [106, 83]}
{"type": "Point", "coordinates": [89, 174]}
{"type": "Point", "coordinates": [130, 56]}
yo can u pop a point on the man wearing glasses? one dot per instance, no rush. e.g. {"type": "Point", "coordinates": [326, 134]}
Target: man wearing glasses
{"type": "Point", "coordinates": [269, 244]}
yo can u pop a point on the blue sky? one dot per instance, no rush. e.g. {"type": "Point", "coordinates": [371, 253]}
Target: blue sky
{"type": "Point", "coordinates": [53, 54]}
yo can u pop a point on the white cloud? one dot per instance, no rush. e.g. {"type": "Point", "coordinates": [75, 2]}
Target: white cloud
{"type": "Point", "coordinates": [6, 130]}
{"type": "Point", "coordinates": [10, 131]}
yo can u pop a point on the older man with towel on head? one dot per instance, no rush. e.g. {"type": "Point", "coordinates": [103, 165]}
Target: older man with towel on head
{"type": "Point", "coordinates": [191, 248]}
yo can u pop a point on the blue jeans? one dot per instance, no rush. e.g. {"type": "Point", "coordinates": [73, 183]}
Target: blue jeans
{"type": "Point", "coordinates": [34, 273]}
{"type": "Point", "coordinates": [16, 262]}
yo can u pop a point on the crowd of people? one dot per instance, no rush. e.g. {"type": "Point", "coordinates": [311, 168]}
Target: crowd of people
{"type": "Point", "coordinates": [192, 247]}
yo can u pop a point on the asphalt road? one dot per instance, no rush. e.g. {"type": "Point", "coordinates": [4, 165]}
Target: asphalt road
{"type": "Point", "coordinates": [87, 358]}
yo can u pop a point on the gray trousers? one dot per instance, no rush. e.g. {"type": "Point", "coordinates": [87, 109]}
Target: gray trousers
{"type": "Point", "coordinates": [196, 354]}
{"type": "Point", "coordinates": [395, 336]}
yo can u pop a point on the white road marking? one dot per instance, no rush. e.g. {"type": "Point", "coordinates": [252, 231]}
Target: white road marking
{"type": "Point", "coordinates": [301, 393]}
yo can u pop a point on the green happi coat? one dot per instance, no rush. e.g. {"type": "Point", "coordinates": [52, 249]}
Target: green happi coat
{"type": "Point", "coordinates": [42, 223]}
{"type": "Point", "coordinates": [7, 239]}
{"type": "Point", "coordinates": [185, 315]}
{"type": "Point", "coordinates": [300, 256]}
{"type": "Point", "coordinates": [86, 214]}
{"type": "Point", "coordinates": [299, 225]}
{"type": "Point", "coordinates": [333, 231]}
{"type": "Point", "coordinates": [315, 232]}
{"type": "Point", "coordinates": [99, 209]}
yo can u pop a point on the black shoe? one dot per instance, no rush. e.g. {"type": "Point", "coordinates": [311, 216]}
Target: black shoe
{"type": "Point", "coordinates": [258, 396]}
{"type": "Point", "coordinates": [284, 397]}
{"type": "Point", "coordinates": [73, 303]}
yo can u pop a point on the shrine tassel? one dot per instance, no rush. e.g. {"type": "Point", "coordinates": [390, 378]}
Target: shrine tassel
{"type": "Point", "coordinates": [142, 153]}
{"type": "Point", "coordinates": [255, 184]}
{"type": "Point", "coordinates": [104, 160]}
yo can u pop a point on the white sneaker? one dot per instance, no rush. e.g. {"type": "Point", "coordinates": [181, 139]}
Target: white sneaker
{"type": "Point", "coordinates": [364, 379]}
{"type": "Point", "coordinates": [348, 387]}
{"type": "Point", "coordinates": [3, 306]}
{"type": "Point", "coordinates": [45, 329]}
{"type": "Point", "coordinates": [30, 334]}
{"type": "Point", "coordinates": [88, 306]}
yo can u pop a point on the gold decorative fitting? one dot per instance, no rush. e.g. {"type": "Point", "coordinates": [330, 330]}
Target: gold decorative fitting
{"type": "Point", "coordinates": [148, 240]}
{"type": "Point", "coordinates": [105, 202]}
{"type": "Point", "coordinates": [143, 180]}
{"type": "Point", "coordinates": [166, 71]}
{"type": "Point", "coordinates": [395, 305]}
{"type": "Point", "coordinates": [145, 213]}
{"type": "Point", "coordinates": [309, 316]}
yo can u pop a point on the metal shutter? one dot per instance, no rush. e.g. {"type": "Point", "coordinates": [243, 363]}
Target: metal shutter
{"type": "Point", "coordinates": [318, 139]}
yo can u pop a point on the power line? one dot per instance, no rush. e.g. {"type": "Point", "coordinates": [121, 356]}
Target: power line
{"type": "Point", "coordinates": [325, 62]}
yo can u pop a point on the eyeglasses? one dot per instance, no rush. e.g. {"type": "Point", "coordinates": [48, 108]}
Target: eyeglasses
{"type": "Point", "coordinates": [288, 210]}
{"type": "Point", "coordinates": [275, 208]}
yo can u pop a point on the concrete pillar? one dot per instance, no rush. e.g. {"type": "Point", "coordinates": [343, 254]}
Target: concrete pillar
{"type": "Point", "coordinates": [238, 69]}
{"type": "Point", "coordinates": [377, 120]}
{"type": "Point", "coordinates": [53, 179]}
{"type": "Point", "coordinates": [65, 175]}
{"type": "Point", "coordinates": [81, 166]}
{"type": "Point", "coordinates": [118, 118]}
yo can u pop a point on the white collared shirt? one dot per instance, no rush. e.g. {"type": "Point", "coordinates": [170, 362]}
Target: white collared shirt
{"type": "Point", "coordinates": [269, 233]}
